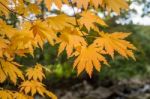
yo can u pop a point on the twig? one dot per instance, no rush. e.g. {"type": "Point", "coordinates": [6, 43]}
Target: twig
{"type": "Point", "coordinates": [14, 12]}
{"type": "Point", "coordinates": [77, 21]}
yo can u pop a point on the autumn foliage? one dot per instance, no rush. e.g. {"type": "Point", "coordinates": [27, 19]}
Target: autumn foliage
{"type": "Point", "coordinates": [69, 32]}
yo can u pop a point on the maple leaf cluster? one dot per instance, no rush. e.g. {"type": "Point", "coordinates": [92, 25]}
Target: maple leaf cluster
{"type": "Point", "coordinates": [69, 32]}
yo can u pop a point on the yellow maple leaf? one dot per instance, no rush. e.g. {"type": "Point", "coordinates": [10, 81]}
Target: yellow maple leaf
{"type": "Point", "coordinates": [22, 42]}
{"type": "Point", "coordinates": [35, 87]}
{"type": "Point", "coordinates": [82, 3]}
{"type": "Point", "coordinates": [20, 7]}
{"type": "Point", "coordinates": [60, 22]}
{"type": "Point", "coordinates": [96, 3]}
{"type": "Point", "coordinates": [4, 45]}
{"type": "Point", "coordinates": [9, 69]}
{"type": "Point", "coordinates": [25, 10]}
{"type": "Point", "coordinates": [89, 57]}
{"type": "Point", "coordinates": [3, 9]}
{"type": "Point", "coordinates": [69, 40]}
{"type": "Point", "coordinates": [86, 3]}
{"type": "Point", "coordinates": [19, 95]}
{"type": "Point", "coordinates": [6, 94]}
{"type": "Point", "coordinates": [115, 42]}
{"type": "Point", "coordinates": [115, 5]}
{"type": "Point", "coordinates": [49, 3]}
{"type": "Point", "coordinates": [35, 73]}
{"type": "Point", "coordinates": [33, 8]}
{"type": "Point", "coordinates": [89, 19]}
{"type": "Point", "coordinates": [6, 30]}
{"type": "Point", "coordinates": [41, 31]}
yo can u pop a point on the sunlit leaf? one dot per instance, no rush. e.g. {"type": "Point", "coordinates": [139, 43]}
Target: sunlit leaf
{"type": "Point", "coordinates": [89, 58]}
{"type": "Point", "coordinates": [35, 73]}
{"type": "Point", "coordinates": [115, 42]}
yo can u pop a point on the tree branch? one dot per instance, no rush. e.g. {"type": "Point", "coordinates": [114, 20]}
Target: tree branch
{"type": "Point", "coordinates": [76, 19]}
{"type": "Point", "coordinates": [14, 12]}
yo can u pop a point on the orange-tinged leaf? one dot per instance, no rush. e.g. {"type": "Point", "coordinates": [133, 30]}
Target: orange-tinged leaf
{"type": "Point", "coordinates": [86, 3]}
{"type": "Point", "coordinates": [3, 46]}
{"type": "Point", "coordinates": [33, 8]}
{"type": "Point", "coordinates": [115, 42]}
{"type": "Point", "coordinates": [21, 8]}
{"type": "Point", "coordinates": [8, 69]}
{"type": "Point", "coordinates": [33, 91]}
{"type": "Point", "coordinates": [69, 40]}
{"type": "Point", "coordinates": [3, 9]}
{"type": "Point", "coordinates": [89, 19]}
{"type": "Point", "coordinates": [60, 22]}
{"type": "Point", "coordinates": [88, 58]}
{"type": "Point", "coordinates": [27, 90]}
{"type": "Point", "coordinates": [21, 43]}
{"type": "Point", "coordinates": [19, 95]}
{"type": "Point", "coordinates": [34, 87]}
{"type": "Point", "coordinates": [49, 3]}
{"type": "Point", "coordinates": [6, 30]}
{"type": "Point", "coordinates": [115, 5]}
{"type": "Point", "coordinates": [82, 3]}
{"type": "Point", "coordinates": [29, 86]}
{"type": "Point", "coordinates": [6, 94]}
{"type": "Point", "coordinates": [35, 73]}
{"type": "Point", "coordinates": [50, 94]}
{"type": "Point", "coordinates": [96, 3]}
{"type": "Point", "coordinates": [41, 29]}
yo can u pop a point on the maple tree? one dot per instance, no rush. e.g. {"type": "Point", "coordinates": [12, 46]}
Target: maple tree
{"type": "Point", "coordinates": [73, 32]}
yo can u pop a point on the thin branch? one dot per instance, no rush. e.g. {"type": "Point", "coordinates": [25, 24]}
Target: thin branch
{"type": "Point", "coordinates": [76, 19]}
{"type": "Point", "coordinates": [75, 14]}
{"type": "Point", "coordinates": [14, 12]}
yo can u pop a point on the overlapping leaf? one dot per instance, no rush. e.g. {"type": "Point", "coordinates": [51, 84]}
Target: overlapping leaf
{"type": "Point", "coordinates": [21, 43]}
{"type": "Point", "coordinates": [6, 30]}
{"type": "Point", "coordinates": [19, 95]}
{"type": "Point", "coordinates": [6, 94]}
{"type": "Point", "coordinates": [86, 3]}
{"type": "Point", "coordinates": [82, 3]}
{"type": "Point", "coordinates": [69, 40]}
{"type": "Point", "coordinates": [88, 58]}
{"type": "Point", "coordinates": [25, 10]}
{"type": "Point", "coordinates": [41, 31]}
{"type": "Point", "coordinates": [3, 9]}
{"type": "Point", "coordinates": [115, 5]}
{"type": "Point", "coordinates": [49, 3]}
{"type": "Point", "coordinates": [60, 22]}
{"type": "Point", "coordinates": [9, 69]}
{"type": "Point", "coordinates": [3, 45]}
{"type": "Point", "coordinates": [34, 87]}
{"type": "Point", "coordinates": [35, 73]}
{"type": "Point", "coordinates": [115, 42]}
{"type": "Point", "coordinates": [89, 20]}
